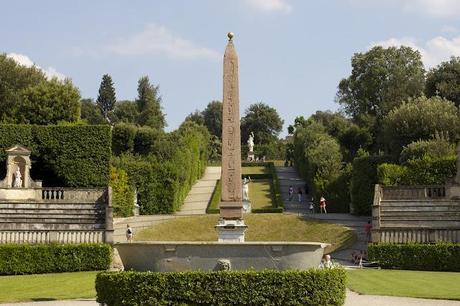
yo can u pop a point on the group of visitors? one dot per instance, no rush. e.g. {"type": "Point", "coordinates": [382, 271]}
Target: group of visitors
{"type": "Point", "coordinates": [311, 207]}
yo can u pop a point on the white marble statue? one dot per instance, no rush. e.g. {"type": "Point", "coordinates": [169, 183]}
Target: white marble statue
{"type": "Point", "coordinates": [246, 188]}
{"type": "Point", "coordinates": [251, 142]}
{"type": "Point", "coordinates": [17, 179]}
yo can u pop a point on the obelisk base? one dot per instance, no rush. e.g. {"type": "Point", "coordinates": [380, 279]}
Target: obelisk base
{"type": "Point", "coordinates": [230, 230]}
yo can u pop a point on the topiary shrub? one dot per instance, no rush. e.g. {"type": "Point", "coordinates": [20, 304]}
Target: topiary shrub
{"type": "Point", "coordinates": [425, 257]}
{"type": "Point", "coordinates": [270, 287]}
{"type": "Point", "coordinates": [66, 156]}
{"type": "Point", "coordinates": [51, 258]}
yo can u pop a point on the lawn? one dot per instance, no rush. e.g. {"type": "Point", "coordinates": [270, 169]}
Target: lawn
{"type": "Point", "coordinates": [421, 284]}
{"type": "Point", "coordinates": [260, 194]}
{"type": "Point", "coordinates": [261, 227]}
{"type": "Point", "coordinates": [47, 287]}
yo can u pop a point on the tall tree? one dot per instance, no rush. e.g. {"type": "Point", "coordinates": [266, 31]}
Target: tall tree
{"type": "Point", "coordinates": [49, 103]}
{"type": "Point", "coordinates": [420, 119]}
{"type": "Point", "coordinates": [91, 112]}
{"type": "Point", "coordinates": [264, 121]}
{"type": "Point", "coordinates": [149, 104]}
{"type": "Point", "coordinates": [14, 78]}
{"type": "Point", "coordinates": [106, 99]}
{"type": "Point", "coordinates": [381, 79]}
{"type": "Point", "coordinates": [444, 81]}
{"type": "Point", "coordinates": [212, 115]}
{"type": "Point", "coordinates": [125, 111]}
{"type": "Point", "coordinates": [196, 117]}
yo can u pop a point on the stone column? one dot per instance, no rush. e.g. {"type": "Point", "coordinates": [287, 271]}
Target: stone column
{"type": "Point", "coordinates": [231, 225]}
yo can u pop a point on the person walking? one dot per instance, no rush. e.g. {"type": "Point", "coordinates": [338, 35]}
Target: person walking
{"type": "Point", "coordinates": [368, 230]}
{"type": "Point", "coordinates": [291, 192]}
{"type": "Point", "coordinates": [299, 194]}
{"type": "Point", "coordinates": [311, 207]}
{"type": "Point", "coordinates": [129, 233]}
{"type": "Point", "coordinates": [322, 205]}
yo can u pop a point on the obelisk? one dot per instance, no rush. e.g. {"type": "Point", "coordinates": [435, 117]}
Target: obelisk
{"type": "Point", "coordinates": [231, 225]}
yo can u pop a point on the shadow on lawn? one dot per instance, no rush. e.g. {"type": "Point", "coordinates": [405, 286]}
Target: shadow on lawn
{"type": "Point", "coordinates": [43, 299]}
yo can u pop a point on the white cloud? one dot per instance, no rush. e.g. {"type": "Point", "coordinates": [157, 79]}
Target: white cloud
{"type": "Point", "coordinates": [270, 5]}
{"type": "Point", "coordinates": [25, 61]}
{"type": "Point", "coordinates": [159, 40]}
{"type": "Point", "coordinates": [436, 8]}
{"type": "Point", "coordinates": [433, 51]}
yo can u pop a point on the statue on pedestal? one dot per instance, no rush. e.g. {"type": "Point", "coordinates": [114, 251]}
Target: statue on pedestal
{"type": "Point", "coordinates": [17, 179]}
{"type": "Point", "coordinates": [246, 188]}
{"type": "Point", "coordinates": [251, 142]}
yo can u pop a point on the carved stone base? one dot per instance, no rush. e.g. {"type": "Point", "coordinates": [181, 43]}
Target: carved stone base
{"type": "Point", "coordinates": [230, 230]}
{"type": "Point", "coordinates": [251, 156]}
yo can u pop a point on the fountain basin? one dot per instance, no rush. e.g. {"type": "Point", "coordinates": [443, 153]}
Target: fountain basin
{"type": "Point", "coordinates": [175, 256]}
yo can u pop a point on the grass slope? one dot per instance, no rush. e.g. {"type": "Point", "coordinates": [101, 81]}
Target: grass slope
{"type": "Point", "coordinates": [261, 227]}
{"type": "Point", "coordinates": [420, 284]}
{"type": "Point", "coordinates": [260, 194]}
{"type": "Point", "coordinates": [47, 287]}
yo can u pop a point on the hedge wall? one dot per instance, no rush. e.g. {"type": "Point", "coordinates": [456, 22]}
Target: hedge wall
{"type": "Point", "coordinates": [164, 177]}
{"type": "Point", "coordinates": [425, 257]}
{"type": "Point", "coordinates": [364, 177]}
{"type": "Point", "coordinates": [65, 156]}
{"type": "Point", "coordinates": [311, 287]}
{"type": "Point", "coordinates": [51, 258]}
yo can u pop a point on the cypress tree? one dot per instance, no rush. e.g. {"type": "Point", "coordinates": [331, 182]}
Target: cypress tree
{"type": "Point", "coordinates": [106, 99]}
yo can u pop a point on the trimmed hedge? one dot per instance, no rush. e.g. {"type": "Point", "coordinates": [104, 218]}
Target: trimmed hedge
{"type": "Point", "coordinates": [51, 258]}
{"type": "Point", "coordinates": [122, 193]}
{"type": "Point", "coordinates": [364, 177]}
{"type": "Point", "coordinates": [65, 156]}
{"type": "Point", "coordinates": [165, 175]}
{"type": "Point", "coordinates": [311, 287]}
{"type": "Point", "coordinates": [424, 257]}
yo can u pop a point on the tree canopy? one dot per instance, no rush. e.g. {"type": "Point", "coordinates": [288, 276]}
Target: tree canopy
{"type": "Point", "coordinates": [381, 79]}
{"type": "Point", "coordinates": [264, 121]}
{"type": "Point", "coordinates": [149, 105]}
{"type": "Point", "coordinates": [444, 81]}
{"type": "Point", "coordinates": [420, 119]}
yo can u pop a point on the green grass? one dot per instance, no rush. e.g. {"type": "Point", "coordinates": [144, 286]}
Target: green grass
{"type": "Point", "coordinates": [254, 170]}
{"type": "Point", "coordinates": [261, 227]}
{"type": "Point", "coordinates": [260, 194]}
{"type": "Point", "coordinates": [420, 284]}
{"type": "Point", "coordinates": [47, 287]}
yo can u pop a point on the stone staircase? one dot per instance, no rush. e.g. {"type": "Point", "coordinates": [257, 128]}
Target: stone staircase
{"type": "Point", "coordinates": [71, 217]}
{"type": "Point", "coordinates": [421, 213]}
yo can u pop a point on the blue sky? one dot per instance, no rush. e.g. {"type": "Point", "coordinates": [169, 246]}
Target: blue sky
{"type": "Point", "coordinates": [292, 53]}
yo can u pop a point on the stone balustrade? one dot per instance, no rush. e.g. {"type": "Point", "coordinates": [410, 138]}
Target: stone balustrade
{"type": "Point", "coordinates": [43, 236]}
{"type": "Point", "coordinates": [412, 192]}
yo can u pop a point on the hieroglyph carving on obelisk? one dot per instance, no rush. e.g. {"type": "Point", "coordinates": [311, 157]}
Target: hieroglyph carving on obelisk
{"type": "Point", "coordinates": [231, 200]}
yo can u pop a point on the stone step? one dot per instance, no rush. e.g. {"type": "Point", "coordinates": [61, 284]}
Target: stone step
{"type": "Point", "coordinates": [51, 226]}
{"type": "Point", "coordinates": [425, 208]}
{"type": "Point", "coordinates": [52, 205]}
{"type": "Point", "coordinates": [40, 211]}
{"type": "Point", "coordinates": [445, 217]}
{"type": "Point", "coordinates": [422, 224]}
{"type": "Point", "coordinates": [51, 219]}
{"type": "Point", "coordinates": [408, 203]}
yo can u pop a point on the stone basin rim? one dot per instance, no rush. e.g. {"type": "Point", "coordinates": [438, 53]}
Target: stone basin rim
{"type": "Point", "coordinates": [268, 243]}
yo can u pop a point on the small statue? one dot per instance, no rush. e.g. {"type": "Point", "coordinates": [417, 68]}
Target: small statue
{"type": "Point", "coordinates": [246, 188]}
{"type": "Point", "coordinates": [251, 142]}
{"type": "Point", "coordinates": [17, 179]}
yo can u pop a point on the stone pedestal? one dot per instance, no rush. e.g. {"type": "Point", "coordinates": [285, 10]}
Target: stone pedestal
{"type": "Point", "coordinates": [231, 230]}
{"type": "Point", "coordinates": [251, 156]}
